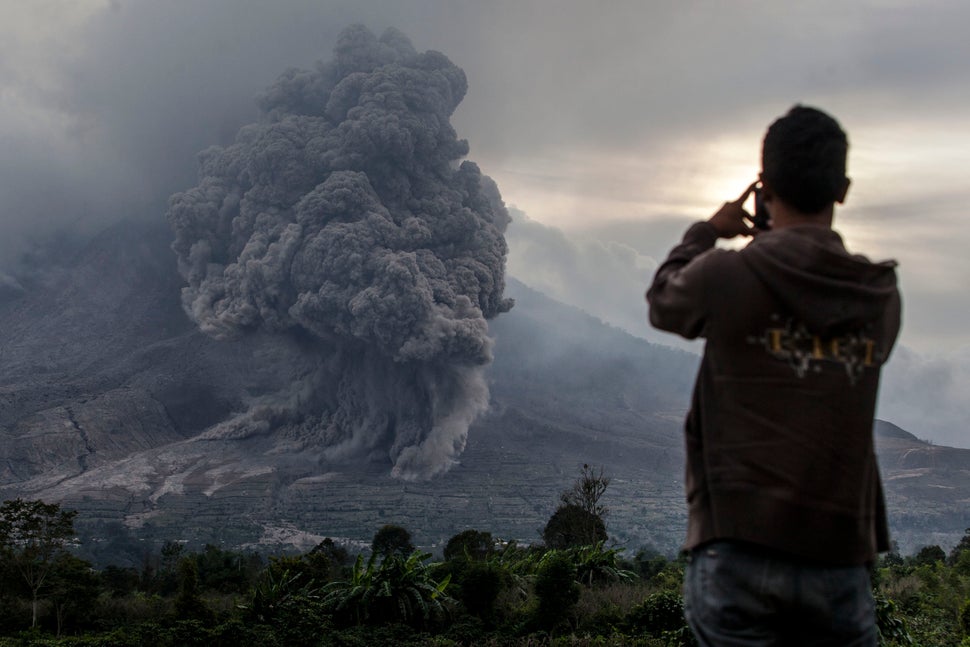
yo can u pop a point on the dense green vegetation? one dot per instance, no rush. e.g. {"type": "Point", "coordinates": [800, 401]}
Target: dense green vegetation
{"type": "Point", "coordinates": [483, 592]}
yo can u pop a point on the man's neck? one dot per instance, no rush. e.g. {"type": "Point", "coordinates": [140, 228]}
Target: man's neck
{"type": "Point", "coordinates": [783, 216]}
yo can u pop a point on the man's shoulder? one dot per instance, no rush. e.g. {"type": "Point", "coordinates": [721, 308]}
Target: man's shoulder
{"type": "Point", "coordinates": [719, 260]}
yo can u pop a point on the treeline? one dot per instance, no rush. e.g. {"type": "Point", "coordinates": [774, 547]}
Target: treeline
{"type": "Point", "coordinates": [482, 591]}
{"type": "Point", "coordinates": [924, 599]}
{"type": "Point", "coordinates": [573, 589]}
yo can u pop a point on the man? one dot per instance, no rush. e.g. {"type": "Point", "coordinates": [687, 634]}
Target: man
{"type": "Point", "coordinates": [785, 505]}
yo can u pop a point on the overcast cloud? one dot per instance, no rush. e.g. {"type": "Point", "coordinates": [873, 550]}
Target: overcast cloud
{"type": "Point", "coordinates": [610, 125]}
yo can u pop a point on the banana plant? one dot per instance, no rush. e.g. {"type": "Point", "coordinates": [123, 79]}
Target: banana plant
{"type": "Point", "coordinates": [392, 589]}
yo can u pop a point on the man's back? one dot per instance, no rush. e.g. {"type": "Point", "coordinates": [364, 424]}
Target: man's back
{"type": "Point", "coordinates": [780, 437]}
{"type": "Point", "coordinates": [781, 470]}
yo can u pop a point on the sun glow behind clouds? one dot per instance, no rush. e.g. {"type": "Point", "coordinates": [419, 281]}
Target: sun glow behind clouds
{"type": "Point", "coordinates": [909, 197]}
{"type": "Point", "coordinates": [907, 200]}
{"type": "Point", "coordinates": [576, 190]}
{"type": "Point", "coordinates": [907, 162]}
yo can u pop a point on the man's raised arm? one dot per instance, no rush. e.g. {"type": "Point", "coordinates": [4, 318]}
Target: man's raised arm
{"type": "Point", "coordinates": [677, 295]}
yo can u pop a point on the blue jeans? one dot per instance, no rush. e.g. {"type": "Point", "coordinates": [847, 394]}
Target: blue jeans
{"type": "Point", "coordinates": [738, 595]}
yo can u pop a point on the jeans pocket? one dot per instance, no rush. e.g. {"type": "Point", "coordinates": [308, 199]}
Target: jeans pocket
{"type": "Point", "coordinates": [845, 597]}
{"type": "Point", "coordinates": [722, 589]}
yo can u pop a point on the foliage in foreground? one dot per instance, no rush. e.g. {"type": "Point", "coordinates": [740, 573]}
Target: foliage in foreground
{"type": "Point", "coordinates": [395, 589]}
{"type": "Point", "coordinates": [485, 592]}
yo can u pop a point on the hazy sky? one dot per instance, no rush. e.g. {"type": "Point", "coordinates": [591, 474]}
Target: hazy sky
{"type": "Point", "coordinates": [609, 127]}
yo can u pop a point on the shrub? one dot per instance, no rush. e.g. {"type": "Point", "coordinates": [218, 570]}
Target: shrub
{"type": "Point", "coordinates": [965, 617]}
{"type": "Point", "coordinates": [929, 555]}
{"type": "Point", "coordinates": [556, 589]}
{"type": "Point", "coordinates": [392, 540]}
{"type": "Point", "coordinates": [661, 612]}
{"type": "Point", "coordinates": [890, 624]}
{"type": "Point", "coordinates": [598, 565]}
{"type": "Point", "coordinates": [396, 590]}
{"type": "Point", "coordinates": [571, 525]}
{"type": "Point", "coordinates": [469, 544]}
{"type": "Point", "coordinates": [275, 594]}
{"type": "Point", "coordinates": [480, 585]}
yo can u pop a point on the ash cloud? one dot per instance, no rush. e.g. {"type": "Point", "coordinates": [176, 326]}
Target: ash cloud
{"type": "Point", "coordinates": [346, 217]}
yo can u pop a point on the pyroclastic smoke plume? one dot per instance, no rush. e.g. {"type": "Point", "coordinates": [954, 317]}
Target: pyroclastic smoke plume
{"type": "Point", "coordinates": [346, 216]}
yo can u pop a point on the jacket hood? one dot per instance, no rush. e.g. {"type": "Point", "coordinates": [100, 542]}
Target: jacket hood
{"type": "Point", "coordinates": [819, 282]}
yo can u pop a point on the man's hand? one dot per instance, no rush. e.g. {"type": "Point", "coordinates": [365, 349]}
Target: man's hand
{"type": "Point", "coordinates": [731, 219]}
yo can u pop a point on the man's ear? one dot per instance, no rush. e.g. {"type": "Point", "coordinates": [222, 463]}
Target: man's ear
{"type": "Point", "coordinates": [840, 198]}
{"type": "Point", "coordinates": [767, 195]}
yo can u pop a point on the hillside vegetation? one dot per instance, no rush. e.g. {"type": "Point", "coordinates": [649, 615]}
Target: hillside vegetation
{"type": "Point", "coordinates": [576, 588]}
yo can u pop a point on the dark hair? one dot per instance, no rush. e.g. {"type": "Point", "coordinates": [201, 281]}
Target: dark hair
{"type": "Point", "coordinates": [803, 159]}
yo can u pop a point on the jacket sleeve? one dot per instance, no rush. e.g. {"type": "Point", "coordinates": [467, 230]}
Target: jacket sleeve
{"type": "Point", "coordinates": [677, 294]}
{"type": "Point", "coordinates": [891, 324]}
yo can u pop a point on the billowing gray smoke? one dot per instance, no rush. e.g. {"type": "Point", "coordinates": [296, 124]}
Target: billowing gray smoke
{"type": "Point", "coordinates": [344, 216]}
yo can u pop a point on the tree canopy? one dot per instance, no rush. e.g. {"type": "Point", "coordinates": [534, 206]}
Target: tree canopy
{"type": "Point", "coordinates": [32, 538]}
{"type": "Point", "coordinates": [571, 526]}
{"type": "Point", "coordinates": [392, 539]}
{"type": "Point", "coordinates": [587, 491]}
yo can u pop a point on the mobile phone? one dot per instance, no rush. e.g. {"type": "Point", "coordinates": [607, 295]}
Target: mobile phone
{"type": "Point", "coordinates": [761, 216]}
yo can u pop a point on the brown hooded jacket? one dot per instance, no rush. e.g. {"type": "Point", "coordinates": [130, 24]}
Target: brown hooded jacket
{"type": "Point", "coordinates": [779, 436]}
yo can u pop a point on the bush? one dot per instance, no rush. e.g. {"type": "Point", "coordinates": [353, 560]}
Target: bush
{"type": "Point", "coordinates": [929, 555]}
{"type": "Point", "coordinates": [661, 612]}
{"type": "Point", "coordinates": [890, 624]}
{"type": "Point", "coordinates": [392, 540]}
{"type": "Point", "coordinates": [396, 590]}
{"type": "Point", "coordinates": [556, 589]}
{"type": "Point", "coordinates": [571, 525]}
{"type": "Point", "coordinates": [469, 544]}
{"type": "Point", "coordinates": [965, 617]}
{"type": "Point", "coordinates": [480, 585]}
{"type": "Point", "coordinates": [598, 565]}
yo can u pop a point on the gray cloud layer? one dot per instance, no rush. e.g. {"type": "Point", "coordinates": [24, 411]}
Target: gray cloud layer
{"type": "Point", "coordinates": [602, 276]}
{"type": "Point", "coordinates": [924, 394]}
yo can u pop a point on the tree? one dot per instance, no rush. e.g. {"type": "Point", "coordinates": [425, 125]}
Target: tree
{"type": "Point", "coordinates": [962, 546]}
{"type": "Point", "coordinates": [327, 560]}
{"type": "Point", "coordinates": [159, 570]}
{"type": "Point", "coordinates": [226, 571]}
{"type": "Point", "coordinates": [479, 586]}
{"type": "Point", "coordinates": [571, 526]}
{"type": "Point", "coordinates": [324, 563]}
{"type": "Point", "coordinates": [32, 538]}
{"type": "Point", "coordinates": [578, 521]}
{"type": "Point", "coordinates": [288, 603]}
{"type": "Point", "coordinates": [72, 584]}
{"type": "Point", "coordinates": [469, 544]}
{"type": "Point", "coordinates": [172, 552]}
{"type": "Point", "coordinates": [392, 540]}
{"type": "Point", "coordinates": [337, 554]}
{"type": "Point", "coordinates": [189, 602]}
{"type": "Point", "coordinates": [119, 582]}
{"type": "Point", "coordinates": [587, 491]}
{"type": "Point", "coordinates": [556, 588]}
{"type": "Point", "coordinates": [929, 555]}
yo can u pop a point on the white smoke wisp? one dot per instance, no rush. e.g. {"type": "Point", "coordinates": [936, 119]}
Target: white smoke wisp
{"type": "Point", "coordinates": [346, 215]}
